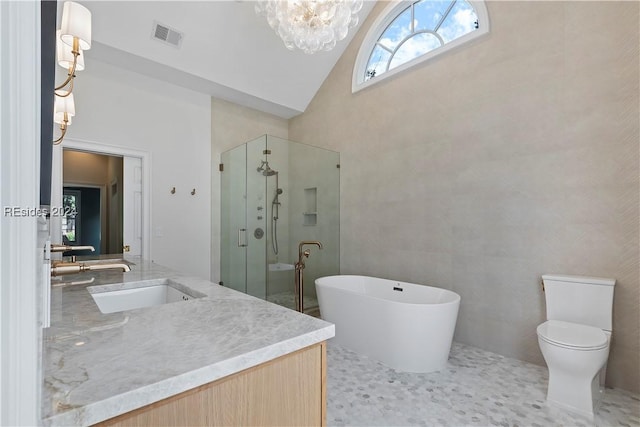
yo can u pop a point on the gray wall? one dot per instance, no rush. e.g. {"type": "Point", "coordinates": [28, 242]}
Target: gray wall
{"type": "Point", "coordinates": [487, 167]}
{"type": "Point", "coordinates": [316, 180]}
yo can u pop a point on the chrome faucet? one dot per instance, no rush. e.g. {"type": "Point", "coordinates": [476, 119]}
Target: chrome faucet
{"type": "Point", "coordinates": [299, 290]}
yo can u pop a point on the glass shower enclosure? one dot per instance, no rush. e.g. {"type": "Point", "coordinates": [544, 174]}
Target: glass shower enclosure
{"type": "Point", "coordinates": [276, 193]}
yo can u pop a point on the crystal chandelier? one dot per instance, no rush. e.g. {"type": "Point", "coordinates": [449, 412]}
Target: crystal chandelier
{"type": "Point", "coordinates": [310, 25]}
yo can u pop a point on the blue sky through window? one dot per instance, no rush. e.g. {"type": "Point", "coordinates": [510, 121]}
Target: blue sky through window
{"type": "Point", "coordinates": [460, 21]}
{"type": "Point", "coordinates": [428, 13]}
{"type": "Point", "coordinates": [398, 30]}
{"type": "Point", "coordinates": [417, 45]}
{"type": "Point", "coordinates": [435, 23]}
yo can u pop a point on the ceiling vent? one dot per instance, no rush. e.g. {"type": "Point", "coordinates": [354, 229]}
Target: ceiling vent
{"type": "Point", "coordinates": [166, 34]}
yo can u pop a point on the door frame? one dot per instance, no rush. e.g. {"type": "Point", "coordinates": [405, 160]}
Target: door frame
{"type": "Point", "coordinates": [21, 257]}
{"type": "Point", "coordinates": [109, 150]}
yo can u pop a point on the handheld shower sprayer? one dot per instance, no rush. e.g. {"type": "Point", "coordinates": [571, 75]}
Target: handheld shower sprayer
{"type": "Point", "coordinates": [266, 171]}
{"type": "Point", "coordinates": [275, 197]}
{"type": "Point", "coordinates": [275, 210]}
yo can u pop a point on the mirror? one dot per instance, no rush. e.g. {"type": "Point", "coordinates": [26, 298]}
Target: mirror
{"type": "Point", "coordinates": [92, 199]}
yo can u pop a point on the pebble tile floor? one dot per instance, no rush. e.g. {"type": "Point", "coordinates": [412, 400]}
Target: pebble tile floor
{"type": "Point", "coordinates": [477, 388]}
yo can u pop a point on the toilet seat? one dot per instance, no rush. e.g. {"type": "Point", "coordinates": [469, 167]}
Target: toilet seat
{"type": "Point", "coordinates": [572, 335]}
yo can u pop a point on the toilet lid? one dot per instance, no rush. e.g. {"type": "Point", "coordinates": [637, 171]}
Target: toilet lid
{"type": "Point", "coordinates": [572, 335]}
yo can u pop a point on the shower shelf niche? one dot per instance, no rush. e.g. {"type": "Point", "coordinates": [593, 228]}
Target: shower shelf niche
{"type": "Point", "coordinates": [310, 216]}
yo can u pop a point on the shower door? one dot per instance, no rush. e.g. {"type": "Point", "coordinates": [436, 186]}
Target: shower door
{"type": "Point", "coordinates": [233, 202]}
{"type": "Point", "coordinates": [276, 193]}
{"type": "Point", "coordinates": [243, 219]}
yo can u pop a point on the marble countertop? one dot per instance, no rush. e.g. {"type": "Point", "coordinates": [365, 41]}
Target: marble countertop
{"type": "Point", "coordinates": [97, 366]}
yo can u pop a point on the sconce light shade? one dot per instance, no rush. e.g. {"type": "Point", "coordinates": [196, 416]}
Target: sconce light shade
{"type": "Point", "coordinates": [76, 22]}
{"type": "Point", "coordinates": [59, 118]}
{"type": "Point", "coordinates": [65, 57]}
{"type": "Point", "coordinates": [63, 104]}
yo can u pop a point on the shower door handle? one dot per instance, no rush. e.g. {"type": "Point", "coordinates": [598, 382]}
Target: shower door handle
{"type": "Point", "coordinates": [242, 237]}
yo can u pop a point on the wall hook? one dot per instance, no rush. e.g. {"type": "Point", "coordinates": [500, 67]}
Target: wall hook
{"type": "Point", "coordinates": [173, 190]}
{"type": "Point", "coordinates": [193, 192]}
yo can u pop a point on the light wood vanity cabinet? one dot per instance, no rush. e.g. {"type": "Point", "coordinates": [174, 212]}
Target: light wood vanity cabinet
{"type": "Point", "coordinates": [287, 391]}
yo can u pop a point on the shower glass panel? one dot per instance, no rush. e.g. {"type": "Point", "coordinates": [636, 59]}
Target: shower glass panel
{"type": "Point", "coordinates": [276, 193]}
{"type": "Point", "coordinates": [233, 260]}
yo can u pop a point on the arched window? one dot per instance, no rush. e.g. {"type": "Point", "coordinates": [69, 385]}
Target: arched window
{"type": "Point", "coordinates": [409, 32]}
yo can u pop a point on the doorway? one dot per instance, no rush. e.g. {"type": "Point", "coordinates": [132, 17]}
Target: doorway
{"type": "Point", "coordinates": [92, 201]}
{"type": "Point", "coordinates": [125, 200]}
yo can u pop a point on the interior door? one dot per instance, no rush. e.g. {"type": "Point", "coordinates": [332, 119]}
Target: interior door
{"type": "Point", "coordinates": [132, 206]}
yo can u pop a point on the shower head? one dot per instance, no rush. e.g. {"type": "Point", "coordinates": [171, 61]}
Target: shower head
{"type": "Point", "coordinates": [266, 170]}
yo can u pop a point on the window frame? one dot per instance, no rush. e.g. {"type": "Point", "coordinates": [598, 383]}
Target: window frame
{"type": "Point", "coordinates": [379, 26]}
{"type": "Point", "coordinates": [75, 216]}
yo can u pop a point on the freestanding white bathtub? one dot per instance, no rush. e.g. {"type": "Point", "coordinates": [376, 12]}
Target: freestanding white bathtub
{"type": "Point", "coordinates": [406, 326]}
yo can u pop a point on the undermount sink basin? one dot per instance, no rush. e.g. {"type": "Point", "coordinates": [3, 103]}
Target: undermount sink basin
{"type": "Point", "coordinates": [122, 297]}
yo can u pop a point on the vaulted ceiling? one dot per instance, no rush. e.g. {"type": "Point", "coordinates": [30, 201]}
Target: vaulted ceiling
{"type": "Point", "coordinates": [227, 51]}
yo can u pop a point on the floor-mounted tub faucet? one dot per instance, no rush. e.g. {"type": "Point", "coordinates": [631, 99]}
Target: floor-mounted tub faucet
{"type": "Point", "coordinates": [299, 291]}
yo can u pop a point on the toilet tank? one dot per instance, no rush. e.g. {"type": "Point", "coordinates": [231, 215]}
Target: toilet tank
{"type": "Point", "coordinates": [578, 299]}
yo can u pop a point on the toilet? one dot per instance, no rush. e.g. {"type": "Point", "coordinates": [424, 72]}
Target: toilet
{"type": "Point", "coordinates": [575, 339]}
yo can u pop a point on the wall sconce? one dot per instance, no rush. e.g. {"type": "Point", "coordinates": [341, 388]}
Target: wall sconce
{"type": "Point", "coordinates": [72, 38]}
